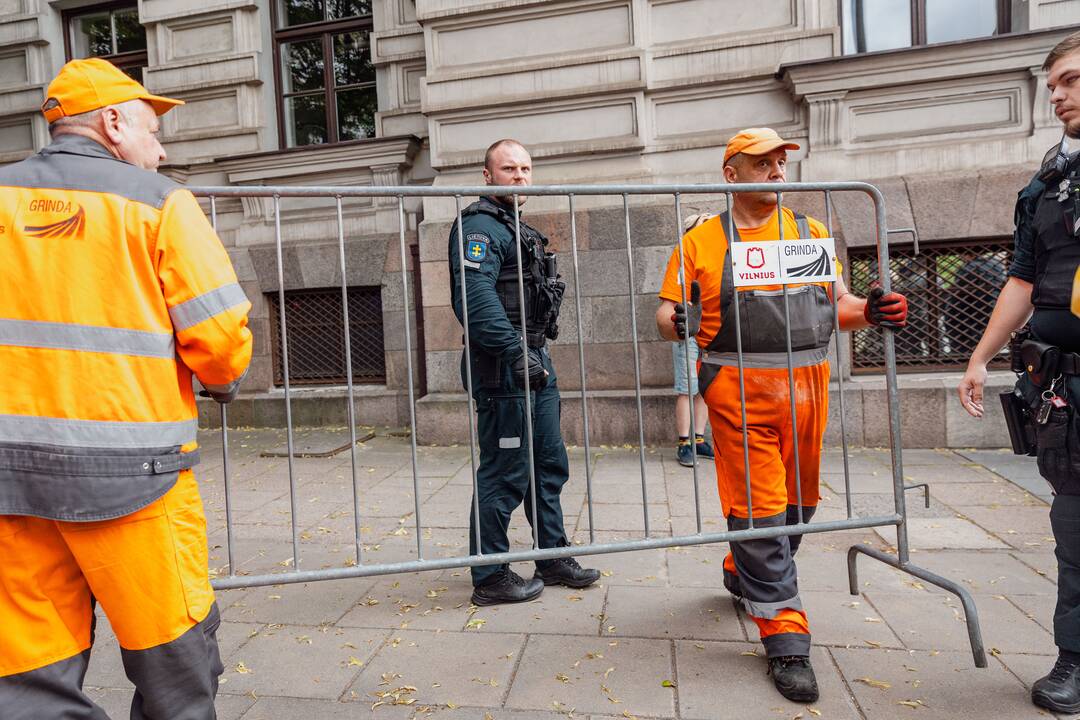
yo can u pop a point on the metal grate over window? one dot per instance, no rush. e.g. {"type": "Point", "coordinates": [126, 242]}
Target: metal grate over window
{"type": "Point", "coordinates": [316, 332]}
{"type": "Point", "coordinates": [951, 289]}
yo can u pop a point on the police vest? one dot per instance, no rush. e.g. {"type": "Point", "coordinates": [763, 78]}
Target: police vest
{"type": "Point", "coordinates": [1057, 250]}
{"type": "Point", "coordinates": [537, 273]}
{"type": "Point", "coordinates": [761, 318]}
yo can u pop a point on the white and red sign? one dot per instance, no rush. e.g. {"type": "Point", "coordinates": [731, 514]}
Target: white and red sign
{"type": "Point", "coordinates": [787, 262]}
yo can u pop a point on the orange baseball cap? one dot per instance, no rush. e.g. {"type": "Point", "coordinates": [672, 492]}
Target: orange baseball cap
{"type": "Point", "coordinates": [93, 83]}
{"type": "Point", "coordinates": [756, 141]}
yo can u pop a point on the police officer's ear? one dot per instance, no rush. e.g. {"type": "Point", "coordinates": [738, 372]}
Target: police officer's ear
{"type": "Point", "coordinates": [487, 176]}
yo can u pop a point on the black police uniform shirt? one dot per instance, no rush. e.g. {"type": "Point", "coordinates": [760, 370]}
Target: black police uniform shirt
{"type": "Point", "coordinates": [1057, 326]}
{"type": "Point", "coordinates": [487, 245]}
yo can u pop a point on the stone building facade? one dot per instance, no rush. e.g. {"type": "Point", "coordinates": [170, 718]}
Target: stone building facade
{"type": "Point", "coordinates": [948, 115]}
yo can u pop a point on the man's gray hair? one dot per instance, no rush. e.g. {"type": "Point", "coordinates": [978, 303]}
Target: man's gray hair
{"type": "Point", "coordinates": [89, 119]}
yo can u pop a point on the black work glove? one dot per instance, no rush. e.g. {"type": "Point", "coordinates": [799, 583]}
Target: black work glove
{"type": "Point", "coordinates": [688, 319]}
{"type": "Point", "coordinates": [885, 310]}
{"type": "Point", "coordinates": [537, 375]}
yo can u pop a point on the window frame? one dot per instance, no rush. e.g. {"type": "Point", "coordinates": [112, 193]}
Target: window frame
{"type": "Point", "coordinates": [124, 61]}
{"type": "Point", "coordinates": [918, 26]}
{"type": "Point", "coordinates": [324, 30]}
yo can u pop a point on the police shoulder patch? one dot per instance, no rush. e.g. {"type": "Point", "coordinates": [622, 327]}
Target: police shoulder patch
{"type": "Point", "coordinates": [476, 247]}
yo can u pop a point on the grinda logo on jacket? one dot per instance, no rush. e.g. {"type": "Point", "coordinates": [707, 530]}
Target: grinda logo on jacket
{"type": "Point", "coordinates": [70, 227]}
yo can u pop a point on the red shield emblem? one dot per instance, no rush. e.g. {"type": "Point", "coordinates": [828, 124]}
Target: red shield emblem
{"type": "Point", "coordinates": [755, 258]}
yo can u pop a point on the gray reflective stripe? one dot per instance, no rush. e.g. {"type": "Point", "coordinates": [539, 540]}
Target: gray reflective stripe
{"type": "Point", "coordinates": [197, 309]}
{"type": "Point", "coordinates": [73, 162]}
{"type": "Point", "coordinates": [95, 433]}
{"type": "Point", "coordinates": [803, 226]}
{"type": "Point", "coordinates": [86, 338]}
{"type": "Point", "coordinates": [786, 644]}
{"type": "Point", "coordinates": [769, 610]}
{"type": "Point", "coordinates": [799, 358]}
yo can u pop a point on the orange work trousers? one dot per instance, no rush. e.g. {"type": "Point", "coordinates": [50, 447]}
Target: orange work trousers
{"type": "Point", "coordinates": [762, 572]}
{"type": "Point", "coordinates": [149, 572]}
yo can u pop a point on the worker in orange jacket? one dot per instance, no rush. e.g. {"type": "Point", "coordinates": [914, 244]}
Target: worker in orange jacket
{"type": "Point", "coordinates": [761, 573]}
{"type": "Point", "coordinates": [114, 292]}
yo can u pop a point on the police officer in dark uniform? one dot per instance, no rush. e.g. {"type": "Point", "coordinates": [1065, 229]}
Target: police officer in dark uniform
{"type": "Point", "coordinates": [1042, 411]}
{"type": "Point", "coordinates": [502, 372]}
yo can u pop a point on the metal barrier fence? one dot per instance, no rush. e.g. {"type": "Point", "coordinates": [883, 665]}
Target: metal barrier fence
{"type": "Point", "coordinates": [898, 518]}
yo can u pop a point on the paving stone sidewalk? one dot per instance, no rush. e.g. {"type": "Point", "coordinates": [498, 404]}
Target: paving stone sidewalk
{"type": "Point", "coordinates": [657, 638]}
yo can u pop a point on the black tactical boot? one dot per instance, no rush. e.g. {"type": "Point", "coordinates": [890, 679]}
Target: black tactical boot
{"type": "Point", "coordinates": [507, 587]}
{"type": "Point", "coordinates": [794, 678]}
{"type": "Point", "coordinates": [566, 571]}
{"type": "Point", "coordinates": [1060, 690]}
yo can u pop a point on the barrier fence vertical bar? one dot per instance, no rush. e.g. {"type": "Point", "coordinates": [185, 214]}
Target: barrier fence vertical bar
{"type": "Point", "coordinates": [637, 363]}
{"type": "Point", "coordinates": [686, 343]}
{"type": "Point", "coordinates": [468, 377]}
{"type": "Point", "coordinates": [790, 370]}
{"type": "Point", "coordinates": [349, 377]}
{"type": "Point", "coordinates": [409, 371]}
{"type": "Point", "coordinates": [581, 362]}
{"type": "Point", "coordinates": [885, 273]}
{"type": "Point", "coordinates": [525, 368]}
{"type": "Point", "coordinates": [730, 232]}
{"type": "Point", "coordinates": [285, 375]}
{"type": "Point", "coordinates": [225, 441]}
{"type": "Point", "coordinates": [839, 365]}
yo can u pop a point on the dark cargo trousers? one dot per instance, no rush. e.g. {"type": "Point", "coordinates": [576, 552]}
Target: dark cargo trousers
{"type": "Point", "coordinates": [502, 478]}
{"type": "Point", "coordinates": [1065, 521]}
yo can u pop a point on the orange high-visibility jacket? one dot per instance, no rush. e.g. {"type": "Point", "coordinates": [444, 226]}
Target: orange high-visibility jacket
{"type": "Point", "coordinates": [114, 290]}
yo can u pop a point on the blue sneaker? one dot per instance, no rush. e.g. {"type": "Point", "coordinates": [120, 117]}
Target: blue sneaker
{"type": "Point", "coordinates": [704, 449]}
{"type": "Point", "coordinates": [685, 455]}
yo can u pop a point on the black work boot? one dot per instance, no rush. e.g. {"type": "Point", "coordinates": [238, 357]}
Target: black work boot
{"type": "Point", "coordinates": [794, 678]}
{"type": "Point", "coordinates": [566, 571]}
{"type": "Point", "coordinates": [507, 587]}
{"type": "Point", "coordinates": [1060, 690]}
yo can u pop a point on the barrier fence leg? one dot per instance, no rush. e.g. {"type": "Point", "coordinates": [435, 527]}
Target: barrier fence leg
{"type": "Point", "coordinates": [971, 613]}
{"type": "Point", "coordinates": [901, 560]}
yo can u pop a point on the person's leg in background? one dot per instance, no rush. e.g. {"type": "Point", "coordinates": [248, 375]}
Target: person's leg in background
{"type": "Point", "coordinates": [685, 386]}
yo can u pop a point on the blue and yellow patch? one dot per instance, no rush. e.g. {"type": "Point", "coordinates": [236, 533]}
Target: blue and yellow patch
{"type": "Point", "coordinates": [476, 247]}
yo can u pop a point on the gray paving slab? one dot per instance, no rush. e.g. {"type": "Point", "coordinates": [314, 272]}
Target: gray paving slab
{"type": "Point", "coordinates": [299, 604]}
{"type": "Point", "coordinates": [995, 493]}
{"type": "Point", "coordinates": [116, 702]}
{"type": "Point", "coordinates": [421, 601]}
{"type": "Point", "coordinates": [463, 668]}
{"type": "Point", "coordinates": [985, 573]}
{"type": "Point", "coordinates": [300, 661]}
{"type": "Point", "coordinates": [716, 680]}
{"type": "Point", "coordinates": [696, 566]}
{"type": "Point", "coordinates": [930, 621]}
{"type": "Point", "coordinates": [595, 675]}
{"type": "Point", "coordinates": [944, 533]}
{"type": "Point", "coordinates": [899, 684]}
{"type": "Point", "coordinates": [1004, 521]}
{"type": "Point", "coordinates": [558, 610]}
{"type": "Point", "coordinates": [670, 613]}
{"type": "Point", "coordinates": [951, 474]}
{"type": "Point", "coordinates": [1039, 608]}
{"type": "Point", "coordinates": [1018, 469]}
{"type": "Point", "coordinates": [639, 567]}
